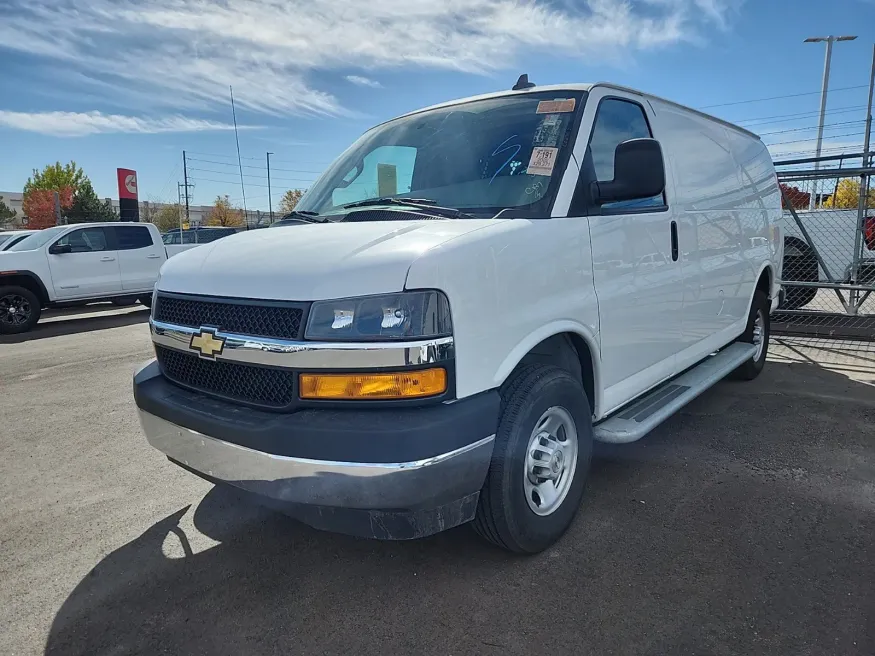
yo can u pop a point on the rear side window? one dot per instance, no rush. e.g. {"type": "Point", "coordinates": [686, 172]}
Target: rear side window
{"type": "Point", "coordinates": [617, 121]}
{"type": "Point", "coordinates": [132, 237]}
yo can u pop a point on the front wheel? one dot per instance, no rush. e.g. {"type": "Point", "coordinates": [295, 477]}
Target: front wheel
{"type": "Point", "coordinates": [19, 310]}
{"type": "Point", "coordinates": [757, 333]}
{"type": "Point", "coordinates": [540, 461]}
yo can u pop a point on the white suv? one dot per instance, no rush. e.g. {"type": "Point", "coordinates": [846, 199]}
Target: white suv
{"type": "Point", "coordinates": [75, 264]}
{"type": "Point", "coordinates": [477, 291]}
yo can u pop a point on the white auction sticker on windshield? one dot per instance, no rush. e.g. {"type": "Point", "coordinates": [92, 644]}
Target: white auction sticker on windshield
{"type": "Point", "coordinates": [542, 161]}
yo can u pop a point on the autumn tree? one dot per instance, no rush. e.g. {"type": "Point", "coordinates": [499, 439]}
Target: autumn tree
{"type": "Point", "coordinates": [88, 208]}
{"type": "Point", "coordinates": [55, 177]}
{"type": "Point", "coordinates": [7, 214]}
{"type": "Point", "coordinates": [165, 217]}
{"type": "Point", "coordinates": [797, 198]}
{"type": "Point", "coordinates": [290, 200]}
{"type": "Point", "coordinates": [224, 214]}
{"type": "Point", "coordinates": [847, 195]}
{"type": "Point", "coordinates": [39, 206]}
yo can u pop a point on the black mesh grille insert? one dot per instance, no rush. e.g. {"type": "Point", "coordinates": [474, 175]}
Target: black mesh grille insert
{"type": "Point", "coordinates": [274, 388]}
{"type": "Point", "coordinates": [259, 320]}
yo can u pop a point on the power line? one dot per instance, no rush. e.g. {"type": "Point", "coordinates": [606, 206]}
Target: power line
{"type": "Point", "coordinates": [832, 136]}
{"type": "Point", "coordinates": [791, 95]}
{"type": "Point", "coordinates": [251, 166]}
{"type": "Point", "coordinates": [814, 127]}
{"type": "Point", "coordinates": [258, 159]}
{"type": "Point", "coordinates": [837, 110]}
{"type": "Point", "coordinates": [249, 175]}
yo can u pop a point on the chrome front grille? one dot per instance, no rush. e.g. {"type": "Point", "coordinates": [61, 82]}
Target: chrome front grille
{"type": "Point", "coordinates": [257, 318]}
{"type": "Point", "coordinates": [262, 386]}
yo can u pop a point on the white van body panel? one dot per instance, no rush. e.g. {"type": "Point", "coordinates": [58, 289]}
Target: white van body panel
{"type": "Point", "coordinates": [313, 261]}
{"type": "Point", "coordinates": [510, 288]}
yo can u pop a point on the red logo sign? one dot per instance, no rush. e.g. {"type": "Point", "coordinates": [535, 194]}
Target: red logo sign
{"type": "Point", "coordinates": [127, 183]}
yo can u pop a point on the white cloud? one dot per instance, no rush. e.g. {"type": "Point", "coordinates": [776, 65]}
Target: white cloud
{"type": "Point", "coordinates": [363, 81]}
{"type": "Point", "coordinates": [77, 124]}
{"type": "Point", "coordinates": [183, 54]}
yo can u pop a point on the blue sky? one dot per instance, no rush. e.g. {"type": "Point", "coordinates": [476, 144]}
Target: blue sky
{"type": "Point", "coordinates": [131, 83]}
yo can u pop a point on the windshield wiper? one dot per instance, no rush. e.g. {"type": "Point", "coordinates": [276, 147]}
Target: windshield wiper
{"type": "Point", "coordinates": [419, 203]}
{"type": "Point", "coordinates": [304, 215]}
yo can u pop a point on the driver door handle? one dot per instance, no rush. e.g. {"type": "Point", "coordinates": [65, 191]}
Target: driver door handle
{"type": "Point", "coordinates": [107, 259]}
{"type": "Point", "coordinates": [153, 257]}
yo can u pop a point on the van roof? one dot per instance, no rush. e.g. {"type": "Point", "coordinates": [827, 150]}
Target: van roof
{"type": "Point", "coordinates": [581, 87]}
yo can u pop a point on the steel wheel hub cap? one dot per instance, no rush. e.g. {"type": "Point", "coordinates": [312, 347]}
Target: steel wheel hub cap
{"type": "Point", "coordinates": [759, 334]}
{"type": "Point", "coordinates": [551, 458]}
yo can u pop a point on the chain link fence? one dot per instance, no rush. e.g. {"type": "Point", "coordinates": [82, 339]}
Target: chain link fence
{"type": "Point", "coordinates": [829, 247]}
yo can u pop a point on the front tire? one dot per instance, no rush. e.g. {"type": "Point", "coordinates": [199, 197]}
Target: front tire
{"type": "Point", "coordinates": [19, 310]}
{"type": "Point", "coordinates": [757, 332]}
{"type": "Point", "coordinates": [540, 461]}
{"type": "Point", "coordinates": [145, 300]}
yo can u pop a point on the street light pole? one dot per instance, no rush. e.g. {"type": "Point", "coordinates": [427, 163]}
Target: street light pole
{"type": "Point", "coordinates": [269, 198]}
{"type": "Point", "coordinates": [829, 40]}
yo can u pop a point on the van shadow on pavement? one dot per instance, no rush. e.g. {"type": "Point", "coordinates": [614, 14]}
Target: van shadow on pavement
{"type": "Point", "coordinates": [743, 525]}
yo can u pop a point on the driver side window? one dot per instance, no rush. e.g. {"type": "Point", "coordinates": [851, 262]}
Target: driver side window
{"type": "Point", "coordinates": [617, 121]}
{"type": "Point", "coordinates": [86, 240]}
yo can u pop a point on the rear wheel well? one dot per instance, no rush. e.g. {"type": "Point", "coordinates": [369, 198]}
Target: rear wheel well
{"type": "Point", "coordinates": [568, 351]}
{"type": "Point", "coordinates": [28, 282]}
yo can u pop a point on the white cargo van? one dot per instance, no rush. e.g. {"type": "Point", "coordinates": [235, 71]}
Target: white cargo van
{"type": "Point", "coordinates": [479, 291]}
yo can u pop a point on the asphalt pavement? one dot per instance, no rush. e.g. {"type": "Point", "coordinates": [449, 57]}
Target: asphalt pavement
{"type": "Point", "coordinates": [744, 525]}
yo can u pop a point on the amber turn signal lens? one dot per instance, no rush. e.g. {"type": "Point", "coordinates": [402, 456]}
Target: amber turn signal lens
{"type": "Point", "coordinates": [402, 385]}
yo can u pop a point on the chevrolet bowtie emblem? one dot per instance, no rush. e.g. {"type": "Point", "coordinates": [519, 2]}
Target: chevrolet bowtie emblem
{"type": "Point", "coordinates": [207, 343]}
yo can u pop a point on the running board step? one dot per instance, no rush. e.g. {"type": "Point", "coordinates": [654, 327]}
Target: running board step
{"type": "Point", "coordinates": [634, 421]}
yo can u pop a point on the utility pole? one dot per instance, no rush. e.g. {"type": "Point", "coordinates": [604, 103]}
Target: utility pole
{"type": "Point", "coordinates": [179, 205]}
{"type": "Point", "coordinates": [865, 179]}
{"type": "Point", "coordinates": [829, 40]}
{"type": "Point", "coordinates": [269, 198]}
{"type": "Point", "coordinates": [185, 175]}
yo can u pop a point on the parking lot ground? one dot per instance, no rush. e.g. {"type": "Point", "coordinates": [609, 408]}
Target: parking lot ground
{"type": "Point", "coordinates": [744, 525]}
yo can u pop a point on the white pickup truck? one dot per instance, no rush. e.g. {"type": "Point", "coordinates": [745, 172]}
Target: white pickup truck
{"type": "Point", "coordinates": [76, 264]}
{"type": "Point", "coordinates": [476, 292]}
{"type": "Point", "coordinates": [834, 233]}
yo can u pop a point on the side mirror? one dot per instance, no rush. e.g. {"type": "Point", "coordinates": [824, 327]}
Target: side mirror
{"type": "Point", "coordinates": [639, 172]}
{"type": "Point", "coordinates": [60, 249]}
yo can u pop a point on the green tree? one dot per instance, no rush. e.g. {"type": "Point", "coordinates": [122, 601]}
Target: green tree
{"type": "Point", "coordinates": [290, 200]}
{"type": "Point", "coordinates": [88, 208]}
{"type": "Point", "coordinates": [7, 214]}
{"type": "Point", "coordinates": [224, 214]}
{"type": "Point", "coordinates": [165, 217]}
{"type": "Point", "coordinates": [55, 177]}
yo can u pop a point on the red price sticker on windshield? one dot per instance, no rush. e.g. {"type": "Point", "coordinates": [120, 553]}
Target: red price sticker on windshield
{"type": "Point", "coordinates": [542, 161]}
{"type": "Point", "coordinates": [556, 106]}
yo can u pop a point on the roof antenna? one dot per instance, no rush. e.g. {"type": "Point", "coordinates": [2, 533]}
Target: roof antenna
{"type": "Point", "coordinates": [523, 83]}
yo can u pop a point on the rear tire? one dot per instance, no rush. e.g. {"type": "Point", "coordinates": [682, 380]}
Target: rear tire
{"type": "Point", "coordinates": [799, 265]}
{"type": "Point", "coordinates": [19, 310]}
{"type": "Point", "coordinates": [757, 332]}
{"type": "Point", "coordinates": [545, 418]}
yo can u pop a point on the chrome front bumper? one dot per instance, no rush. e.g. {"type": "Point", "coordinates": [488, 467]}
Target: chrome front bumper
{"type": "Point", "coordinates": [423, 483]}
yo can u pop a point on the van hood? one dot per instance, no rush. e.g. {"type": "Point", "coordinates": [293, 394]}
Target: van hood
{"type": "Point", "coordinates": [312, 261]}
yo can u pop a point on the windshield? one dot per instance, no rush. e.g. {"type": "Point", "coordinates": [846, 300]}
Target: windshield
{"type": "Point", "coordinates": [36, 240]}
{"type": "Point", "coordinates": [480, 157]}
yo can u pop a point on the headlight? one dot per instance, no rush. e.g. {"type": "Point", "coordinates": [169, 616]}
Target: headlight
{"type": "Point", "coordinates": [399, 316]}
